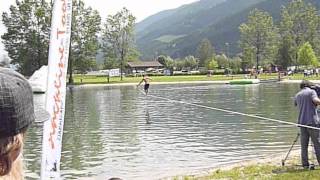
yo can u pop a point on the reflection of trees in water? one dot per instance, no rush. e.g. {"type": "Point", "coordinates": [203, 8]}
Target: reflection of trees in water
{"type": "Point", "coordinates": [119, 117]}
{"type": "Point", "coordinates": [32, 145]}
{"type": "Point", "coordinates": [266, 100]}
{"type": "Point", "coordinates": [272, 101]}
{"type": "Point", "coordinates": [121, 108]}
{"type": "Point", "coordinates": [82, 142]}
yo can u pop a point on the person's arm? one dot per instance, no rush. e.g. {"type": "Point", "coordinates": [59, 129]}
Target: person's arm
{"type": "Point", "coordinates": [315, 98]}
{"type": "Point", "coordinates": [140, 82]}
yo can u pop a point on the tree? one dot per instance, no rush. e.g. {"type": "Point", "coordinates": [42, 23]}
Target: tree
{"type": "Point", "coordinates": [162, 59]}
{"type": "Point", "coordinates": [205, 52]}
{"type": "Point", "coordinates": [190, 62]}
{"type": "Point", "coordinates": [118, 35]}
{"type": "Point", "coordinates": [84, 38]}
{"type": "Point", "coordinates": [179, 64]}
{"type": "Point", "coordinates": [212, 64]}
{"type": "Point", "coordinates": [133, 55]}
{"type": "Point", "coordinates": [299, 24]}
{"type": "Point", "coordinates": [285, 52]}
{"type": "Point", "coordinates": [167, 62]}
{"type": "Point", "coordinates": [27, 36]}
{"type": "Point", "coordinates": [110, 61]}
{"type": "Point", "coordinates": [306, 55]}
{"type": "Point", "coordinates": [247, 59]}
{"type": "Point", "coordinates": [222, 61]}
{"type": "Point", "coordinates": [235, 64]}
{"type": "Point", "coordinates": [259, 36]}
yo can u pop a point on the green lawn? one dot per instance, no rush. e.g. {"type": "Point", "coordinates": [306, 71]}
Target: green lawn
{"type": "Point", "coordinates": [262, 171]}
{"type": "Point", "coordinates": [87, 79]}
{"type": "Point", "coordinates": [300, 76]}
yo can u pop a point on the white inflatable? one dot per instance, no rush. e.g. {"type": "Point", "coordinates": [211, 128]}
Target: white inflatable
{"type": "Point", "coordinates": [38, 80]}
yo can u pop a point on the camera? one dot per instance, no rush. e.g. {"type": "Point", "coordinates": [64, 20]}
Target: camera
{"type": "Point", "coordinates": [316, 87]}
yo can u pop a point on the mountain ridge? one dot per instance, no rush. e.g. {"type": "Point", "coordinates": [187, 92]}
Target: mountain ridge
{"type": "Point", "coordinates": [181, 39]}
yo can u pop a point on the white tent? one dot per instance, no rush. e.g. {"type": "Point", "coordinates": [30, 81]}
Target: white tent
{"type": "Point", "coordinates": [38, 80]}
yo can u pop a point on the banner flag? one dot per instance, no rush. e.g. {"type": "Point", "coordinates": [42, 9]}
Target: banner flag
{"type": "Point", "coordinates": [56, 88]}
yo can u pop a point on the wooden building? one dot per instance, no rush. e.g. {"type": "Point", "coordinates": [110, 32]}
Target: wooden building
{"type": "Point", "coordinates": [143, 66]}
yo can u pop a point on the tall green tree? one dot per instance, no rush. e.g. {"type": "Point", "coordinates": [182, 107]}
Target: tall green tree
{"type": "Point", "coordinates": [222, 61]}
{"type": "Point", "coordinates": [118, 36]}
{"type": "Point", "coordinates": [213, 64]}
{"type": "Point", "coordinates": [247, 58]}
{"type": "Point", "coordinates": [27, 36]}
{"type": "Point", "coordinates": [205, 52]}
{"type": "Point", "coordinates": [190, 62]}
{"type": "Point", "coordinates": [299, 24]}
{"type": "Point", "coordinates": [259, 36]}
{"type": "Point", "coordinates": [235, 64]}
{"type": "Point", "coordinates": [306, 55]}
{"type": "Point", "coordinates": [285, 52]}
{"type": "Point", "coordinates": [84, 38]}
{"type": "Point", "coordinates": [167, 62]}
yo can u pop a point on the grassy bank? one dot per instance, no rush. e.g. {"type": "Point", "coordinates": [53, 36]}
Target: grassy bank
{"type": "Point", "coordinates": [88, 79]}
{"type": "Point", "coordinates": [269, 169]}
{"type": "Point", "coordinates": [261, 172]}
{"type": "Point", "coordinates": [300, 76]}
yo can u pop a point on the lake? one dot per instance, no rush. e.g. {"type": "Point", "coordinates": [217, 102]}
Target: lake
{"type": "Point", "coordinates": [118, 132]}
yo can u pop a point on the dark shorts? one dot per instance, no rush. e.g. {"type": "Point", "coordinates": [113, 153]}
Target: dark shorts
{"type": "Point", "coordinates": [146, 87]}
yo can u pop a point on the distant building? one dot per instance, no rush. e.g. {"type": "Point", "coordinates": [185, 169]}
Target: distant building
{"type": "Point", "coordinates": [143, 66]}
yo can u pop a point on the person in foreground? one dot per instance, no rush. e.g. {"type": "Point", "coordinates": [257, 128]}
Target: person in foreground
{"type": "Point", "coordinates": [16, 115]}
{"type": "Point", "coordinates": [146, 81]}
{"type": "Point", "coordinates": [307, 100]}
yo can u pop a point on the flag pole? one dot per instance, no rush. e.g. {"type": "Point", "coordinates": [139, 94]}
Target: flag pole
{"type": "Point", "coordinates": [56, 88]}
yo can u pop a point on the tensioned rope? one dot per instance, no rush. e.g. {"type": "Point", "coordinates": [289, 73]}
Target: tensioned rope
{"type": "Point", "coordinates": [234, 112]}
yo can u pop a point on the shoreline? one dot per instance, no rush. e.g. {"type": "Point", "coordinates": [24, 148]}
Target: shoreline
{"type": "Point", "coordinates": [157, 83]}
{"type": "Point", "coordinates": [286, 81]}
{"type": "Point", "coordinates": [273, 159]}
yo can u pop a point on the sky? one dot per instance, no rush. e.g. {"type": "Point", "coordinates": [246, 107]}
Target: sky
{"type": "Point", "coordinates": [139, 8]}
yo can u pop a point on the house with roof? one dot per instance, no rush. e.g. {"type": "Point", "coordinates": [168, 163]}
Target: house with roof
{"type": "Point", "coordinates": [143, 66]}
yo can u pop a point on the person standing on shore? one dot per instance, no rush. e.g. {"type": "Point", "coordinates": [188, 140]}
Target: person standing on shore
{"type": "Point", "coordinates": [307, 100]}
{"type": "Point", "coordinates": [146, 81]}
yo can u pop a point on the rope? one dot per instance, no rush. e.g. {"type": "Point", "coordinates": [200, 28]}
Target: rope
{"type": "Point", "coordinates": [234, 112]}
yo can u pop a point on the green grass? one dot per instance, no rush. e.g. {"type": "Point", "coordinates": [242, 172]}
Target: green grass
{"type": "Point", "coordinates": [260, 172]}
{"type": "Point", "coordinates": [300, 76]}
{"type": "Point", "coordinates": [88, 79]}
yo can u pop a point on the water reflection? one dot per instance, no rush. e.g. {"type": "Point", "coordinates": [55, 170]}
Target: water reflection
{"type": "Point", "coordinates": [119, 132]}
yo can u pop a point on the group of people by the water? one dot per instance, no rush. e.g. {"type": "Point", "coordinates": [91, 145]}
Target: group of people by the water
{"type": "Point", "coordinates": [311, 72]}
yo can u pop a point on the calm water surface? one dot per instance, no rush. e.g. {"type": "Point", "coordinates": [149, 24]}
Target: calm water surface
{"type": "Point", "coordinates": [118, 132]}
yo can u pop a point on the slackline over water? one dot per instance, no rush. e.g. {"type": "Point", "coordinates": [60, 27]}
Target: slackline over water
{"type": "Point", "coordinates": [233, 112]}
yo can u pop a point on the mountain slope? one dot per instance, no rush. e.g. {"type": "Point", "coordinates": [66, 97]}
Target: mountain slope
{"type": "Point", "coordinates": [180, 36]}
{"type": "Point", "coordinates": [165, 18]}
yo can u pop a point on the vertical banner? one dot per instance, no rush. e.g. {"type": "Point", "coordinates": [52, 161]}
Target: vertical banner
{"type": "Point", "coordinates": [56, 88]}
